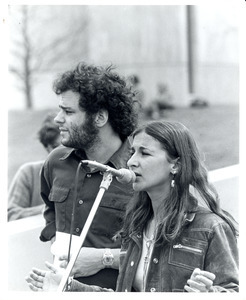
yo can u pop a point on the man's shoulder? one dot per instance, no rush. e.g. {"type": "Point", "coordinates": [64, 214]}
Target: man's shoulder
{"type": "Point", "coordinates": [59, 152]}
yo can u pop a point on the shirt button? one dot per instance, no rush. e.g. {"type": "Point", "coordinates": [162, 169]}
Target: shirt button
{"type": "Point", "coordinates": [88, 175]}
{"type": "Point", "coordinates": [132, 263]}
{"type": "Point", "coordinates": [153, 290]}
{"type": "Point", "coordinates": [77, 229]}
{"type": "Point", "coordinates": [155, 260]}
{"type": "Point", "coordinates": [81, 201]}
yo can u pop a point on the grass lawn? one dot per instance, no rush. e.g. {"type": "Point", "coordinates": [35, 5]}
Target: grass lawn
{"type": "Point", "coordinates": [215, 128]}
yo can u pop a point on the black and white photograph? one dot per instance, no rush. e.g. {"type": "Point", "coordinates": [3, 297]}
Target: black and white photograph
{"type": "Point", "coordinates": [122, 162]}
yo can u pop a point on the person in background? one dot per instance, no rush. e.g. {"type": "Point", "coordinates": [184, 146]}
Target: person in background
{"type": "Point", "coordinates": [170, 241]}
{"type": "Point", "coordinates": [95, 120]}
{"type": "Point", "coordinates": [161, 103]}
{"type": "Point", "coordinates": [24, 198]}
{"type": "Point", "coordinates": [139, 99]}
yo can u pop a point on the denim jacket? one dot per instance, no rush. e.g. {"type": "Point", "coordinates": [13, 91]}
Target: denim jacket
{"type": "Point", "coordinates": [206, 242]}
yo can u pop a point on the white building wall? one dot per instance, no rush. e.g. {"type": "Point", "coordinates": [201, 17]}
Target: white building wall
{"type": "Point", "coordinates": [218, 53]}
{"type": "Point", "coordinates": [145, 40]}
{"type": "Point", "coordinates": [151, 41]}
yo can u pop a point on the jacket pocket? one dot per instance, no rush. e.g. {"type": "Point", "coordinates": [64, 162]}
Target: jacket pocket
{"type": "Point", "coordinates": [109, 218]}
{"type": "Point", "coordinates": [58, 195]}
{"type": "Point", "coordinates": [187, 253]}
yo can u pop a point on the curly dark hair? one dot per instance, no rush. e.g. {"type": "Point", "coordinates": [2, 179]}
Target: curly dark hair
{"type": "Point", "coordinates": [101, 88]}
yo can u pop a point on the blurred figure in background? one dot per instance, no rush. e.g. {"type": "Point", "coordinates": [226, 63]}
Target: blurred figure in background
{"type": "Point", "coordinates": [161, 103]}
{"type": "Point", "coordinates": [24, 198]}
{"type": "Point", "coordinates": [139, 93]}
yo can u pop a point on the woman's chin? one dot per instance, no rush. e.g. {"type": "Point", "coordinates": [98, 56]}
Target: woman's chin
{"type": "Point", "coordinates": [136, 187]}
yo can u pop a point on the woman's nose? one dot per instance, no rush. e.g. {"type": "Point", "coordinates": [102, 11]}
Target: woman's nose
{"type": "Point", "coordinates": [132, 162]}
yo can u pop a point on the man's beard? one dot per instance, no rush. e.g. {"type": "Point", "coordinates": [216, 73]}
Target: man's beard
{"type": "Point", "coordinates": [85, 136]}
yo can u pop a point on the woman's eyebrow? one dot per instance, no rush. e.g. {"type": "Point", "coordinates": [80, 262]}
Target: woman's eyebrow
{"type": "Point", "coordinates": [141, 148]}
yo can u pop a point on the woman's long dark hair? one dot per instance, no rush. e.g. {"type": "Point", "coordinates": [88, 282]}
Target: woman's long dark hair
{"type": "Point", "coordinates": [180, 145]}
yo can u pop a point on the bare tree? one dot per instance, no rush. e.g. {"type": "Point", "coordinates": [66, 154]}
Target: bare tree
{"type": "Point", "coordinates": [44, 38]}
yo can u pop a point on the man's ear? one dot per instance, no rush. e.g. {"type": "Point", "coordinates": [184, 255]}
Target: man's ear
{"type": "Point", "coordinates": [101, 117]}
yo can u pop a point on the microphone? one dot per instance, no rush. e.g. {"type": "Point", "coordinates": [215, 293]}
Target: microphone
{"type": "Point", "coordinates": [124, 176]}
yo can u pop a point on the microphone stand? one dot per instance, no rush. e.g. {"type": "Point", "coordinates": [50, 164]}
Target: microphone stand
{"type": "Point", "coordinates": [106, 181]}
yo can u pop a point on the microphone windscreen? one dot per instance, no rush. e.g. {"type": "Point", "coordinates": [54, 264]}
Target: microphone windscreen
{"type": "Point", "coordinates": [127, 176]}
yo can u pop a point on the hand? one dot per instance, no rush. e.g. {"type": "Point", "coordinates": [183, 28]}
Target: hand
{"type": "Point", "coordinates": [200, 281]}
{"type": "Point", "coordinates": [88, 262]}
{"type": "Point", "coordinates": [44, 281]}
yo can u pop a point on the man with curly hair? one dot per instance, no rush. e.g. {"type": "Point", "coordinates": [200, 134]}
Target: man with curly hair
{"type": "Point", "coordinates": [95, 120]}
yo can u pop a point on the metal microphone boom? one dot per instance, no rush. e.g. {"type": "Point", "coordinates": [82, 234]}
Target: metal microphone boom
{"type": "Point", "coordinates": [124, 176]}
{"type": "Point", "coordinates": [107, 179]}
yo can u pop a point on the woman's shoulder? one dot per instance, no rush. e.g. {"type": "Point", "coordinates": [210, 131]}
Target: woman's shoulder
{"type": "Point", "coordinates": [205, 218]}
